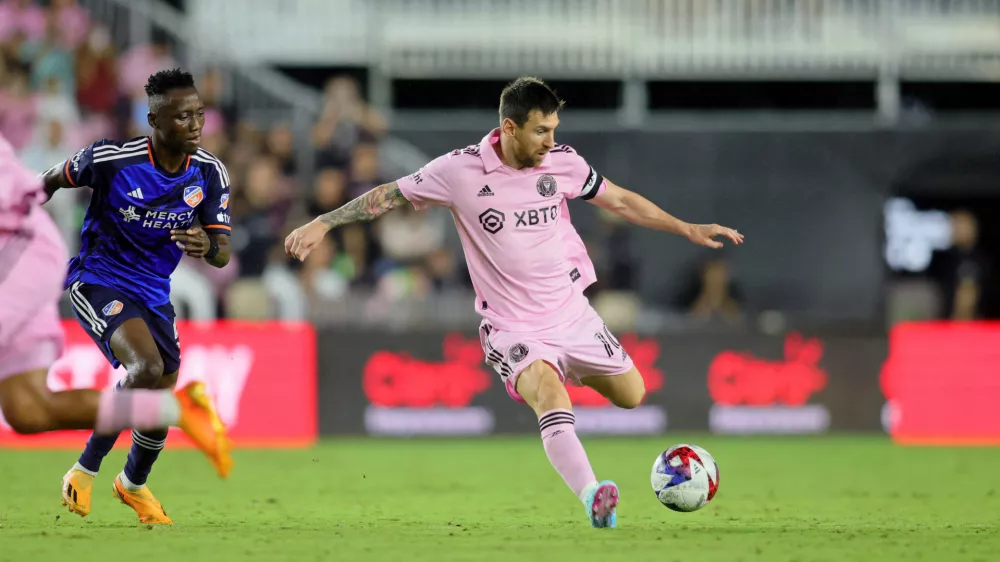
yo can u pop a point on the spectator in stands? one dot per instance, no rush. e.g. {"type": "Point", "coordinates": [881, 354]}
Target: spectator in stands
{"type": "Point", "coordinates": [361, 253]}
{"type": "Point", "coordinates": [18, 107]}
{"type": "Point", "coordinates": [441, 271]}
{"type": "Point", "coordinates": [72, 20]}
{"type": "Point", "coordinates": [57, 104]}
{"type": "Point", "coordinates": [715, 296]}
{"type": "Point", "coordinates": [620, 259]}
{"type": "Point", "coordinates": [48, 146]}
{"type": "Point", "coordinates": [964, 269]}
{"type": "Point", "coordinates": [329, 192]}
{"type": "Point", "coordinates": [409, 237]}
{"type": "Point", "coordinates": [96, 73]}
{"type": "Point", "coordinates": [325, 274]}
{"type": "Point", "coordinates": [135, 67]}
{"type": "Point", "coordinates": [21, 16]}
{"type": "Point", "coordinates": [10, 49]}
{"type": "Point", "coordinates": [217, 142]}
{"type": "Point", "coordinates": [355, 119]}
{"type": "Point", "coordinates": [220, 118]}
{"type": "Point", "coordinates": [345, 121]}
{"type": "Point", "coordinates": [281, 146]}
{"type": "Point", "coordinates": [258, 219]}
{"type": "Point", "coordinates": [50, 58]}
{"type": "Point", "coordinates": [220, 114]}
{"type": "Point", "coordinates": [245, 147]}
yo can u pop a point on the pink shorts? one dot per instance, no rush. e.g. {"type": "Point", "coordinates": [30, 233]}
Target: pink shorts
{"type": "Point", "coordinates": [576, 350]}
{"type": "Point", "coordinates": [32, 270]}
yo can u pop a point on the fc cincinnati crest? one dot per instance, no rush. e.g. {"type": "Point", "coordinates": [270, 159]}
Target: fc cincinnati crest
{"type": "Point", "coordinates": [517, 352]}
{"type": "Point", "coordinates": [224, 202]}
{"type": "Point", "coordinates": [193, 195]}
{"type": "Point", "coordinates": [112, 308]}
{"type": "Point", "coordinates": [546, 185]}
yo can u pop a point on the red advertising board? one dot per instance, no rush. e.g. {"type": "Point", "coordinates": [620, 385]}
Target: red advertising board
{"type": "Point", "coordinates": [758, 395]}
{"type": "Point", "coordinates": [942, 383]}
{"type": "Point", "coordinates": [261, 375]}
{"type": "Point", "coordinates": [460, 395]}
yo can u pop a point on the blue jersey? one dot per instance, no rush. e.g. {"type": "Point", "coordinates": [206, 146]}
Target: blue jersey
{"type": "Point", "coordinates": [126, 234]}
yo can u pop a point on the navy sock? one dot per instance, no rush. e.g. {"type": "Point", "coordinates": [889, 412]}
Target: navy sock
{"type": "Point", "coordinates": [146, 447]}
{"type": "Point", "coordinates": [98, 447]}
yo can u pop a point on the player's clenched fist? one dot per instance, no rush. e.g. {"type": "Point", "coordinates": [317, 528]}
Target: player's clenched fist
{"type": "Point", "coordinates": [194, 241]}
{"type": "Point", "coordinates": [303, 239]}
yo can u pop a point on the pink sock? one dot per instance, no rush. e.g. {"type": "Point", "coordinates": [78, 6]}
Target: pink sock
{"type": "Point", "coordinates": [564, 449]}
{"type": "Point", "coordinates": [136, 409]}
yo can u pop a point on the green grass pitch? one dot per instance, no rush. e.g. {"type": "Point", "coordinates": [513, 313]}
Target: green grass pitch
{"type": "Point", "coordinates": [492, 499]}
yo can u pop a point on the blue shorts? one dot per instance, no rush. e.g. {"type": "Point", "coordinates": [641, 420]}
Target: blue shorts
{"type": "Point", "coordinates": [101, 310]}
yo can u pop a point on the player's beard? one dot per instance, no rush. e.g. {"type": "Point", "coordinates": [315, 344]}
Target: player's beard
{"type": "Point", "coordinates": [529, 159]}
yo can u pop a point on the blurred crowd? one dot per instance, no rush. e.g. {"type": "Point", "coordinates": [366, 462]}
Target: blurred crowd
{"type": "Point", "coordinates": [64, 84]}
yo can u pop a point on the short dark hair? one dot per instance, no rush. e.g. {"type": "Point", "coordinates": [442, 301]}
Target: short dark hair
{"type": "Point", "coordinates": [523, 95]}
{"type": "Point", "coordinates": [162, 82]}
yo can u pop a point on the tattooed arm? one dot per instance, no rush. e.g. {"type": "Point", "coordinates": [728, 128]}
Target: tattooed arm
{"type": "Point", "coordinates": [369, 206]}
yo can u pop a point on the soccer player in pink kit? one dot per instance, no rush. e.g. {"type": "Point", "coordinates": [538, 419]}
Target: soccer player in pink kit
{"type": "Point", "coordinates": [32, 269]}
{"type": "Point", "coordinates": [538, 331]}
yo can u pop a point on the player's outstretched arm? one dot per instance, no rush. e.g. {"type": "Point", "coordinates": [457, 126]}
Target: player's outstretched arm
{"type": "Point", "coordinates": [641, 211]}
{"type": "Point", "coordinates": [369, 206]}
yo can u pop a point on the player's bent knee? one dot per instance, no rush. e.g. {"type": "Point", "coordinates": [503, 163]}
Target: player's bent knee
{"type": "Point", "coordinates": [167, 381]}
{"type": "Point", "coordinates": [626, 390]}
{"type": "Point", "coordinates": [542, 388]}
{"type": "Point", "coordinates": [145, 373]}
{"type": "Point", "coordinates": [631, 393]}
{"type": "Point", "coordinates": [631, 397]}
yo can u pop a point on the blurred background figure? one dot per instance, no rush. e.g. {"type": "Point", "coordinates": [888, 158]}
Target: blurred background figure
{"type": "Point", "coordinates": [964, 270]}
{"type": "Point", "coordinates": [715, 297]}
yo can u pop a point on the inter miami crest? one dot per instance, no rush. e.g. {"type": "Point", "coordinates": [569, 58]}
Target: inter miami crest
{"type": "Point", "coordinates": [546, 185]}
{"type": "Point", "coordinates": [517, 352]}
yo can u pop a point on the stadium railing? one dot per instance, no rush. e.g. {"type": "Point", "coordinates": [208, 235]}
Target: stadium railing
{"type": "Point", "coordinates": [649, 39]}
{"type": "Point", "coordinates": [667, 38]}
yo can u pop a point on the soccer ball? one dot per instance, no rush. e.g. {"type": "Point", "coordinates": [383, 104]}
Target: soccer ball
{"type": "Point", "coordinates": [685, 478]}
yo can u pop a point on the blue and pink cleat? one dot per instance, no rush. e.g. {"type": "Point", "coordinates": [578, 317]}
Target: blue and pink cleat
{"type": "Point", "coordinates": [601, 505]}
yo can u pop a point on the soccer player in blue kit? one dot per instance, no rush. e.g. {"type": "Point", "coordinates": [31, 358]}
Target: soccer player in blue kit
{"type": "Point", "coordinates": [147, 194]}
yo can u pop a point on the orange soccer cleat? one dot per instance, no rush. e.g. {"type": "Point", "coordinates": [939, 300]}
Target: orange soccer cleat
{"type": "Point", "coordinates": [142, 501]}
{"type": "Point", "coordinates": [201, 423]}
{"type": "Point", "coordinates": [76, 490]}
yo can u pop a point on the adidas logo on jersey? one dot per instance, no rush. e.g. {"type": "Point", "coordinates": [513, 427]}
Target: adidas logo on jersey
{"type": "Point", "coordinates": [485, 192]}
{"type": "Point", "coordinates": [136, 193]}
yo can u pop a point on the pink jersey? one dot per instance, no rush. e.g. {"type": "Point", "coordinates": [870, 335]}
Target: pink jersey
{"type": "Point", "coordinates": [20, 189]}
{"type": "Point", "coordinates": [577, 251]}
{"type": "Point", "coordinates": [32, 268]}
{"type": "Point", "coordinates": [527, 263]}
